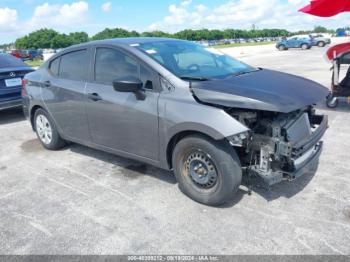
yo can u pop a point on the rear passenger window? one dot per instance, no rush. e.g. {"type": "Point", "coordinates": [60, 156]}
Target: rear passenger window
{"type": "Point", "coordinates": [74, 65]}
{"type": "Point", "coordinates": [112, 64]}
{"type": "Point", "coordinates": [54, 66]}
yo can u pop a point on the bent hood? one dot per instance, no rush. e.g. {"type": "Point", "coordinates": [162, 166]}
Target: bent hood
{"type": "Point", "coordinates": [261, 90]}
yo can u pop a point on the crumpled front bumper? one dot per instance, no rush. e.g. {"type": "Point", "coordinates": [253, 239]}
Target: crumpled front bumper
{"type": "Point", "coordinates": [305, 157]}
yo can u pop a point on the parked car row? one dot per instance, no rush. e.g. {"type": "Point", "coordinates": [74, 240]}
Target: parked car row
{"type": "Point", "coordinates": [30, 54]}
{"type": "Point", "coordinates": [237, 41]}
{"type": "Point", "coordinates": [303, 41]}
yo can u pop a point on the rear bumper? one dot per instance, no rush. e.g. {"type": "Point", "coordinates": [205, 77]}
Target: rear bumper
{"type": "Point", "coordinates": [10, 104]}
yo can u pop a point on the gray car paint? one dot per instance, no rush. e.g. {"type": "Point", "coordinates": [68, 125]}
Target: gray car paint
{"type": "Point", "coordinates": [120, 124]}
{"type": "Point", "coordinates": [262, 90]}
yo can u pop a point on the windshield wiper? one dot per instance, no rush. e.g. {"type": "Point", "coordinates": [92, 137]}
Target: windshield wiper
{"type": "Point", "coordinates": [246, 72]}
{"type": "Point", "coordinates": [195, 78]}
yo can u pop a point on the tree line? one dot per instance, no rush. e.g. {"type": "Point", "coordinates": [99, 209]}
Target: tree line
{"type": "Point", "coordinates": [48, 38]}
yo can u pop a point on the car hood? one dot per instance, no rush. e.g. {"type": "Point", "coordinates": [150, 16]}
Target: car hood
{"type": "Point", "coordinates": [261, 90]}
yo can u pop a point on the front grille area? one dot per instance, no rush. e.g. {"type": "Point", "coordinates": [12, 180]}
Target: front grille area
{"type": "Point", "coordinates": [304, 145]}
{"type": "Point", "coordinates": [299, 129]}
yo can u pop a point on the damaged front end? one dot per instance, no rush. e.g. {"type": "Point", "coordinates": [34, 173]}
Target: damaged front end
{"type": "Point", "coordinates": [280, 146]}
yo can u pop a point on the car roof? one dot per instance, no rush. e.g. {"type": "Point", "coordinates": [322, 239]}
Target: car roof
{"type": "Point", "coordinates": [126, 41]}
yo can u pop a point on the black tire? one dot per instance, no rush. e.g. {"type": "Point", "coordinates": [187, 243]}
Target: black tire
{"type": "Point", "coordinates": [218, 156]}
{"type": "Point", "coordinates": [305, 46]}
{"type": "Point", "coordinates": [332, 102]}
{"type": "Point", "coordinates": [321, 44]}
{"type": "Point", "coordinates": [282, 48]}
{"type": "Point", "coordinates": [56, 142]}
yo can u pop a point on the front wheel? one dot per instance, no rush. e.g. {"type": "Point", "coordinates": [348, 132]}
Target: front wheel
{"type": "Point", "coordinates": [282, 48]}
{"type": "Point", "coordinates": [332, 101]}
{"type": "Point", "coordinates": [305, 47]}
{"type": "Point", "coordinates": [207, 171]}
{"type": "Point", "coordinates": [46, 131]}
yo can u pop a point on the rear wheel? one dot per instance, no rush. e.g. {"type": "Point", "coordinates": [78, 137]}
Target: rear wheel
{"type": "Point", "coordinates": [321, 44]}
{"type": "Point", "coordinates": [207, 171]}
{"type": "Point", "coordinates": [46, 131]}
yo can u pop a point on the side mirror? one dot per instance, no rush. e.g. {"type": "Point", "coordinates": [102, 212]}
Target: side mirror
{"type": "Point", "coordinates": [130, 84]}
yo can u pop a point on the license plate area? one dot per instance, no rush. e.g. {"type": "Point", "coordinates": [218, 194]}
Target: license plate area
{"type": "Point", "coordinates": [13, 82]}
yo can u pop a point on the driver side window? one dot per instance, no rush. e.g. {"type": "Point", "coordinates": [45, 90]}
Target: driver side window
{"type": "Point", "coordinates": [111, 64]}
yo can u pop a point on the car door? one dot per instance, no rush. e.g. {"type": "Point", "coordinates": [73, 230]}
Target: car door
{"type": "Point", "coordinates": [63, 93]}
{"type": "Point", "coordinates": [119, 120]}
{"type": "Point", "coordinates": [292, 42]}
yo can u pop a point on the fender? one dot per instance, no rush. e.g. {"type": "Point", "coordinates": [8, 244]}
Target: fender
{"type": "Point", "coordinates": [187, 115]}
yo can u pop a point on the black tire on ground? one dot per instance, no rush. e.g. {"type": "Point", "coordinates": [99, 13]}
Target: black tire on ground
{"type": "Point", "coordinates": [56, 142]}
{"type": "Point", "coordinates": [282, 48]}
{"type": "Point", "coordinates": [321, 44]}
{"type": "Point", "coordinates": [305, 46]}
{"type": "Point", "coordinates": [217, 156]}
{"type": "Point", "coordinates": [332, 102]}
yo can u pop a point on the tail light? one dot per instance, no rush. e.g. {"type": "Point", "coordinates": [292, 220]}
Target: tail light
{"type": "Point", "coordinates": [24, 91]}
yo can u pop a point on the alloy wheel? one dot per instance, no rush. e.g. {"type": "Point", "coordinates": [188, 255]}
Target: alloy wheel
{"type": "Point", "coordinates": [43, 129]}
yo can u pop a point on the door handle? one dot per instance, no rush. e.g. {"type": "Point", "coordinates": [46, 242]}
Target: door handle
{"type": "Point", "coordinates": [47, 83]}
{"type": "Point", "coordinates": [94, 97]}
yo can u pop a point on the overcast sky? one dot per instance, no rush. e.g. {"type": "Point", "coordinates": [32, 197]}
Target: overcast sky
{"type": "Point", "coordinates": [19, 17]}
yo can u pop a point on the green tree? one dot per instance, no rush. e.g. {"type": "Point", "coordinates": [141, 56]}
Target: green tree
{"type": "Point", "coordinates": [61, 41]}
{"type": "Point", "coordinates": [320, 29]}
{"type": "Point", "coordinates": [156, 34]}
{"type": "Point", "coordinates": [114, 33]}
{"type": "Point", "coordinates": [38, 39]}
{"type": "Point", "coordinates": [78, 37]}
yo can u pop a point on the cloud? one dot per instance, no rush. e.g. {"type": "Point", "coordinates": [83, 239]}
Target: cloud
{"type": "Point", "coordinates": [242, 14]}
{"type": "Point", "coordinates": [106, 7]}
{"type": "Point", "coordinates": [8, 19]}
{"type": "Point", "coordinates": [186, 2]}
{"type": "Point", "coordinates": [58, 16]}
{"type": "Point", "coordinates": [63, 17]}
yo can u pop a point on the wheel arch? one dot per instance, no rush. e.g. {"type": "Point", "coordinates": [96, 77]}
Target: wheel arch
{"type": "Point", "coordinates": [32, 114]}
{"type": "Point", "coordinates": [176, 138]}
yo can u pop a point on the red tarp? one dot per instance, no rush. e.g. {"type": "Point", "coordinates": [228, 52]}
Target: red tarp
{"type": "Point", "coordinates": [326, 8]}
{"type": "Point", "coordinates": [337, 50]}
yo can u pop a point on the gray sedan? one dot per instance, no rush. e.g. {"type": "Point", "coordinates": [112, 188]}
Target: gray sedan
{"type": "Point", "coordinates": [182, 107]}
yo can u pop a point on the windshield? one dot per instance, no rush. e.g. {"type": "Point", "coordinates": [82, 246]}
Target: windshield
{"type": "Point", "coordinates": [191, 61]}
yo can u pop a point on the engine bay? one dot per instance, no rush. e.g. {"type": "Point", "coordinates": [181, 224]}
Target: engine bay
{"type": "Point", "coordinates": [277, 141]}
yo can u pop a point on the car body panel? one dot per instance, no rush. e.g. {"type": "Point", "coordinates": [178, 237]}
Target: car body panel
{"type": "Point", "coordinates": [65, 100]}
{"type": "Point", "coordinates": [133, 123]}
{"type": "Point", "coordinates": [276, 91]}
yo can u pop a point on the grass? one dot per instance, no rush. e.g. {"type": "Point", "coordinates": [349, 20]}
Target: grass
{"type": "Point", "coordinates": [34, 63]}
{"type": "Point", "coordinates": [243, 44]}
